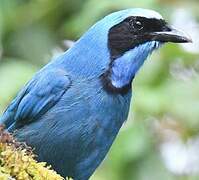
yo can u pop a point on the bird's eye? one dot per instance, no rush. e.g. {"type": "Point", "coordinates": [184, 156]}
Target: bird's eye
{"type": "Point", "coordinates": [138, 25]}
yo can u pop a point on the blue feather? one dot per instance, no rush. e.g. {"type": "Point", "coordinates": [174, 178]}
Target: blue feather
{"type": "Point", "coordinates": [126, 67]}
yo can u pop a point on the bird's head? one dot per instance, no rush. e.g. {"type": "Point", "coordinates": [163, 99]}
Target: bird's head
{"type": "Point", "coordinates": [125, 39]}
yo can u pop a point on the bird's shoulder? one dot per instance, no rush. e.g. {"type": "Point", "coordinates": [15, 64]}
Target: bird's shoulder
{"type": "Point", "coordinates": [41, 93]}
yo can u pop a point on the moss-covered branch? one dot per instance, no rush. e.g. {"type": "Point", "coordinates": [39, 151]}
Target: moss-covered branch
{"type": "Point", "coordinates": [17, 161]}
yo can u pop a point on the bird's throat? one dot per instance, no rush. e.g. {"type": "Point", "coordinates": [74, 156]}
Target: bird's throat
{"type": "Point", "coordinates": [122, 70]}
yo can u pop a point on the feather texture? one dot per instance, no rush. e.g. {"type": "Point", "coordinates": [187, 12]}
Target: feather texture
{"type": "Point", "coordinates": [66, 113]}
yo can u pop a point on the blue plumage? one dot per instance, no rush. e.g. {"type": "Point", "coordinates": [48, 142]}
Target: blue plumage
{"type": "Point", "coordinates": [126, 67]}
{"type": "Point", "coordinates": [73, 108]}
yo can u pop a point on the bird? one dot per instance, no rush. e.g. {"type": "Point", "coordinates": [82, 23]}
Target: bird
{"type": "Point", "coordinates": [72, 109]}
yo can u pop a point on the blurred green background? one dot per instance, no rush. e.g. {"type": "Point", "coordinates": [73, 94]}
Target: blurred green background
{"type": "Point", "coordinates": [160, 140]}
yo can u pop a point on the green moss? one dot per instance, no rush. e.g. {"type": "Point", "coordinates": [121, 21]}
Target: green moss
{"type": "Point", "coordinates": [17, 161]}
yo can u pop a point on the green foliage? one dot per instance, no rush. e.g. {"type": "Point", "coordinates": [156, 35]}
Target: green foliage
{"type": "Point", "coordinates": [166, 87]}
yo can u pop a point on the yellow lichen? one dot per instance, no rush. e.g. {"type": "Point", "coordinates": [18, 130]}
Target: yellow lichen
{"type": "Point", "coordinates": [17, 162]}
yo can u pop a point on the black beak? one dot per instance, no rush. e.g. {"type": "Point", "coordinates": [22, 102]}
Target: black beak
{"type": "Point", "coordinates": [171, 35]}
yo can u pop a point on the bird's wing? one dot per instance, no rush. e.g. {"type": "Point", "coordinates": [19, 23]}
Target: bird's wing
{"type": "Point", "coordinates": [40, 94]}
